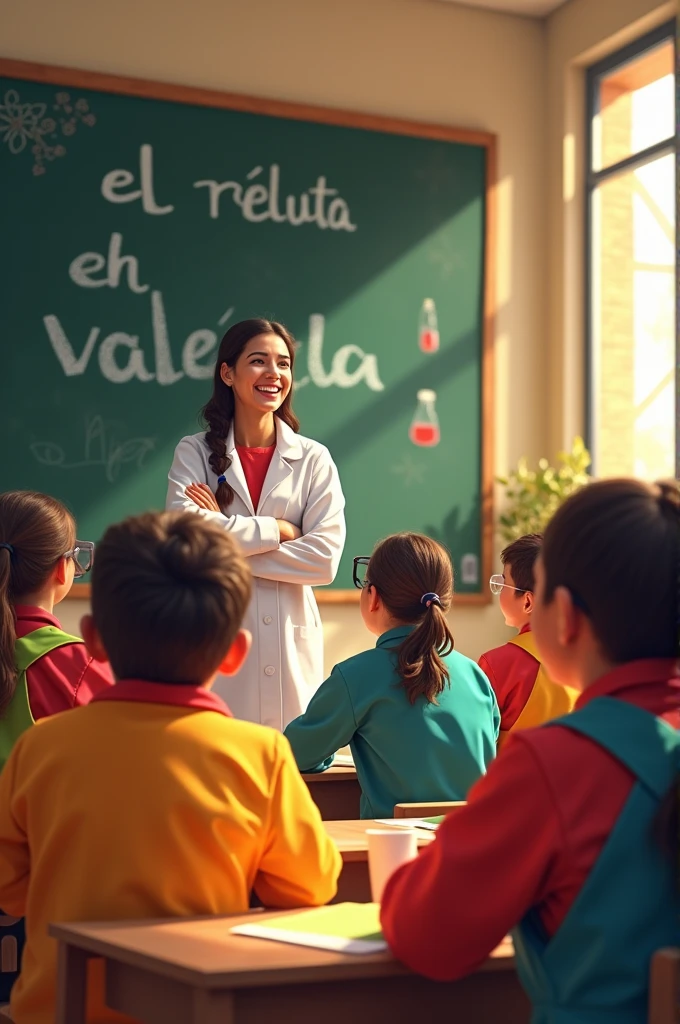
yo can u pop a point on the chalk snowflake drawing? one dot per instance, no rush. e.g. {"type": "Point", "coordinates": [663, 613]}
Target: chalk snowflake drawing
{"type": "Point", "coordinates": [25, 124]}
{"type": "Point", "coordinates": [410, 472]}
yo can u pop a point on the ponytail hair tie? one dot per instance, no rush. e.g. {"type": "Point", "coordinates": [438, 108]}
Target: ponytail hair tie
{"type": "Point", "coordinates": [430, 599]}
{"type": "Point", "coordinates": [222, 479]}
{"type": "Point", "coordinates": [7, 547]}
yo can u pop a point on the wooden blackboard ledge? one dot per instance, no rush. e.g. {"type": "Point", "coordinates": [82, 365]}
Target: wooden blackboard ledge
{"type": "Point", "coordinates": [81, 592]}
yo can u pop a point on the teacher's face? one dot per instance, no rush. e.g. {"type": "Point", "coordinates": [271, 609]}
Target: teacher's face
{"type": "Point", "coordinates": [262, 376]}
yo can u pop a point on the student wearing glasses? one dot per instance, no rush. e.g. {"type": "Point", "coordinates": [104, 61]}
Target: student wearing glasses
{"type": "Point", "coordinates": [43, 670]}
{"type": "Point", "coordinates": [420, 718]}
{"type": "Point", "coordinates": [526, 696]}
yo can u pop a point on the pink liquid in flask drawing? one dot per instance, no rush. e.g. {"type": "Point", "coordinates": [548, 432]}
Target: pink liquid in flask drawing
{"type": "Point", "coordinates": [428, 327]}
{"type": "Point", "coordinates": [424, 434]}
{"type": "Point", "coordinates": [424, 429]}
{"type": "Point", "coordinates": [429, 340]}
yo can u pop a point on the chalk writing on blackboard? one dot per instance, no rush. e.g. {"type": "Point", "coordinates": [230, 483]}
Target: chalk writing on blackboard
{"type": "Point", "coordinates": [259, 202]}
{"type": "Point", "coordinates": [256, 201]}
{"type": "Point", "coordinates": [340, 374]}
{"type": "Point", "coordinates": [102, 449]}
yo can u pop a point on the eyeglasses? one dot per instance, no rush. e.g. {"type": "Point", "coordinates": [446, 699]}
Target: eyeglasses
{"type": "Point", "coordinates": [496, 584]}
{"type": "Point", "coordinates": [359, 571]}
{"type": "Point", "coordinates": [82, 555]}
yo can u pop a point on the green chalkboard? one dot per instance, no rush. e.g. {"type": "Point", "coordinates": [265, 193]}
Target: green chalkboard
{"type": "Point", "coordinates": [138, 220]}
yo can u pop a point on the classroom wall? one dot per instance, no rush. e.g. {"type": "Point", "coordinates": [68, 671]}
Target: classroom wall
{"type": "Point", "coordinates": [420, 59]}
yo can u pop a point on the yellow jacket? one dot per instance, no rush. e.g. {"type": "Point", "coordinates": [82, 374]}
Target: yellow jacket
{"type": "Point", "coordinates": [132, 809]}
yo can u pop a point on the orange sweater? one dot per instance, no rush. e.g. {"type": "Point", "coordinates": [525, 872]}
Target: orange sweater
{"type": "Point", "coordinates": [132, 809]}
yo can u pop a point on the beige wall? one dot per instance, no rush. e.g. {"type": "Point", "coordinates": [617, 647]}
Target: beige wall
{"type": "Point", "coordinates": [420, 59]}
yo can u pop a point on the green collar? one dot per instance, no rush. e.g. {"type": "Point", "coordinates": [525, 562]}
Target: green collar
{"type": "Point", "coordinates": [393, 637]}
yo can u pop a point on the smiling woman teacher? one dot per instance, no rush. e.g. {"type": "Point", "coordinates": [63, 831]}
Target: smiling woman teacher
{"type": "Point", "coordinates": [280, 495]}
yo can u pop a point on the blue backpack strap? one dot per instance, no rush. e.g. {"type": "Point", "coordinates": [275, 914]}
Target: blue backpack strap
{"type": "Point", "coordinates": [645, 744]}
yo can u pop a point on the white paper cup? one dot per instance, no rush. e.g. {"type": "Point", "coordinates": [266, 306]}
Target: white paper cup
{"type": "Point", "coordinates": [388, 850]}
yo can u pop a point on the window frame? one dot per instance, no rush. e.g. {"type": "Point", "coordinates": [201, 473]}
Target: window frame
{"type": "Point", "coordinates": [663, 33]}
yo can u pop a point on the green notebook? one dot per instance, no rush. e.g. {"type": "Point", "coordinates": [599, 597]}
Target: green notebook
{"type": "Point", "coordinates": [343, 928]}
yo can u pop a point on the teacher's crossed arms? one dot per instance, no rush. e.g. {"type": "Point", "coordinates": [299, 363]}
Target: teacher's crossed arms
{"type": "Point", "coordinates": [279, 494]}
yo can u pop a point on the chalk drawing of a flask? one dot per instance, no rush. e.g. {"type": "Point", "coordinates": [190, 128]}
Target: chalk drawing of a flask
{"type": "Point", "coordinates": [428, 329]}
{"type": "Point", "coordinates": [424, 429]}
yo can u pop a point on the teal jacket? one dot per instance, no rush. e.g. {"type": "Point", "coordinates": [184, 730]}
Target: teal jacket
{"type": "Point", "coordinates": [595, 969]}
{"type": "Point", "coordinates": [402, 752]}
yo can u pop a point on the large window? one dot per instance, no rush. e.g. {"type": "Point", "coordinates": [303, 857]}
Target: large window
{"type": "Point", "coordinates": [631, 259]}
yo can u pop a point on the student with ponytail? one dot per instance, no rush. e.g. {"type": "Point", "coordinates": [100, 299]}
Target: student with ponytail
{"type": "Point", "coordinates": [279, 496]}
{"type": "Point", "coordinates": [559, 841]}
{"type": "Point", "coordinates": [43, 670]}
{"type": "Point", "coordinates": [422, 720]}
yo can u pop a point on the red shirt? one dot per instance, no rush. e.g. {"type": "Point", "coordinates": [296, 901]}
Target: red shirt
{"type": "Point", "coordinates": [63, 679]}
{"type": "Point", "coordinates": [530, 834]}
{"type": "Point", "coordinates": [178, 694]}
{"type": "Point", "coordinates": [512, 673]}
{"type": "Point", "coordinates": [255, 463]}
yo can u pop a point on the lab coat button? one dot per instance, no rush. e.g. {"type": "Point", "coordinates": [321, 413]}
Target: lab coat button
{"type": "Point", "coordinates": [270, 670]}
{"type": "Point", "coordinates": [267, 620]}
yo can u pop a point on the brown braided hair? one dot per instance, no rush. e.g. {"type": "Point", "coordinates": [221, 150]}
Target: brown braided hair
{"type": "Point", "coordinates": [403, 568]}
{"type": "Point", "coordinates": [218, 413]}
{"type": "Point", "coordinates": [35, 531]}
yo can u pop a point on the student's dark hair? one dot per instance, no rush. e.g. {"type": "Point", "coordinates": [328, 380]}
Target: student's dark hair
{"type": "Point", "coordinates": [35, 531]}
{"type": "Point", "coordinates": [616, 546]}
{"type": "Point", "coordinates": [521, 556]}
{"type": "Point", "coordinates": [218, 413]}
{"type": "Point", "coordinates": [169, 591]}
{"type": "Point", "coordinates": [403, 568]}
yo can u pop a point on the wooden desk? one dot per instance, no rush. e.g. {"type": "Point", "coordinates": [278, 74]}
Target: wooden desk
{"type": "Point", "coordinates": [350, 838]}
{"type": "Point", "coordinates": [336, 792]}
{"type": "Point", "coordinates": [193, 971]}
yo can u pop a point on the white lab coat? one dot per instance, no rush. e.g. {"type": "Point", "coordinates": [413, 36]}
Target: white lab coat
{"type": "Point", "coordinates": [285, 665]}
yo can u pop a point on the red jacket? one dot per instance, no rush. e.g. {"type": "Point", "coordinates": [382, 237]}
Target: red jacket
{"type": "Point", "coordinates": [531, 832]}
{"type": "Point", "coordinates": [512, 673]}
{"type": "Point", "coordinates": [63, 679]}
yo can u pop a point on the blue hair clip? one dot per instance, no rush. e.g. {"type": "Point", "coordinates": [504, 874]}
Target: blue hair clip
{"type": "Point", "coordinates": [8, 547]}
{"type": "Point", "coordinates": [222, 479]}
{"type": "Point", "coordinates": [429, 599]}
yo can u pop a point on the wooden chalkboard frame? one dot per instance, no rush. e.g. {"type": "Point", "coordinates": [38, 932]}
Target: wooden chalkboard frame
{"type": "Point", "coordinates": [145, 88]}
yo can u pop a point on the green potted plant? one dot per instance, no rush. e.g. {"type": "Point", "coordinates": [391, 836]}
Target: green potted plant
{"type": "Point", "coordinates": [533, 495]}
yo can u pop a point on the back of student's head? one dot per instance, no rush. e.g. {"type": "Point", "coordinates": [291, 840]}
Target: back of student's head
{"type": "Point", "coordinates": [616, 546]}
{"type": "Point", "coordinates": [404, 569]}
{"type": "Point", "coordinates": [169, 591]}
{"type": "Point", "coordinates": [35, 531]}
{"type": "Point", "coordinates": [521, 557]}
